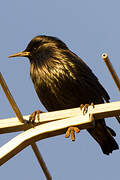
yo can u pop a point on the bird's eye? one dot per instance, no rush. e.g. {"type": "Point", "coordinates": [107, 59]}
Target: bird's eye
{"type": "Point", "coordinates": [34, 48]}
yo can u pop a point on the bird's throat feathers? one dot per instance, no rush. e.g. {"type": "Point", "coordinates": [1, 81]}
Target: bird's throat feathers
{"type": "Point", "coordinates": [54, 68]}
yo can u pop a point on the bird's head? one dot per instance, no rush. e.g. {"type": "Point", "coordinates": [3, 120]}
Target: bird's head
{"type": "Point", "coordinates": [40, 46]}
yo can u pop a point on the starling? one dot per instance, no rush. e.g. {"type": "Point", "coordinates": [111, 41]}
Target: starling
{"type": "Point", "coordinates": [62, 80]}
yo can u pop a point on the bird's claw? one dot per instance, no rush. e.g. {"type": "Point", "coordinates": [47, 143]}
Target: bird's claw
{"type": "Point", "coordinates": [35, 115]}
{"type": "Point", "coordinates": [71, 131]}
{"type": "Point", "coordinates": [92, 104]}
{"type": "Point", "coordinates": [85, 107]}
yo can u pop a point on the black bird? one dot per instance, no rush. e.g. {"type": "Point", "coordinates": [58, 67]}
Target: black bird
{"type": "Point", "coordinates": [62, 80]}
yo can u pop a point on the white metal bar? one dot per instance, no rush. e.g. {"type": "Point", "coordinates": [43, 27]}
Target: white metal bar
{"type": "Point", "coordinates": [99, 111]}
{"type": "Point", "coordinates": [42, 131]}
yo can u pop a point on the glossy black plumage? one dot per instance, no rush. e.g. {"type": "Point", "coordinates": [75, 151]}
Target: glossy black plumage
{"type": "Point", "coordinates": [62, 80]}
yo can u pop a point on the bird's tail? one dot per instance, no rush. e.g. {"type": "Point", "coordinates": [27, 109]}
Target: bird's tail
{"type": "Point", "coordinates": [104, 136]}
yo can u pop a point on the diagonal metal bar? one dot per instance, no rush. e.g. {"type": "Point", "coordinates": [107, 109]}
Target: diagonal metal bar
{"type": "Point", "coordinates": [10, 98]}
{"type": "Point", "coordinates": [20, 117]}
{"type": "Point", "coordinates": [41, 161]}
{"type": "Point", "coordinates": [111, 70]}
{"type": "Point", "coordinates": [113, 74]}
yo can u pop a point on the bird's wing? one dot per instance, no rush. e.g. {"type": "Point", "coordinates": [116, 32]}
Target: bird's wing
{"type": "Point", "coordinates": [85, 74]}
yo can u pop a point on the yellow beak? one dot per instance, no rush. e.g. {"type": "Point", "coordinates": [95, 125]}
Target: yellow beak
{"type": "Point", "coordinates": [23, 53]}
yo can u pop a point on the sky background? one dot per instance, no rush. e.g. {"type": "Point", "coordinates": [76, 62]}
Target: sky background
{"type": "Point", "coordinates": [89, 28]}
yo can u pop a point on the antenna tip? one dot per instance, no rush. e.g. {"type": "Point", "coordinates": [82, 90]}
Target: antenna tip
{"type": "Point", "coordinates": [104, 56]}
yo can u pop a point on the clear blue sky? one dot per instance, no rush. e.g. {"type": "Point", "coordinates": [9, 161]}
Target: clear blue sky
{"type": "Point", "coordinates": [89, 28]}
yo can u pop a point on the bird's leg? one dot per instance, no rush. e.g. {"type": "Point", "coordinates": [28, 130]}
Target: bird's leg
{"type": "Point", "coordinates": [85, 107]}
{"type": "Point", "coordinates": [71, 131]}
{"type": "Point", "coordinates": [34, 115]}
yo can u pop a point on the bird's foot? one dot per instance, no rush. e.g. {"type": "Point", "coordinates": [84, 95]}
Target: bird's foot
{"type": "Point", "coordinates": [71, 131]}
{"type": "Point", "coordinates": [85, 107]}
{"type": "Point", "coordinates": [35, 115]}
